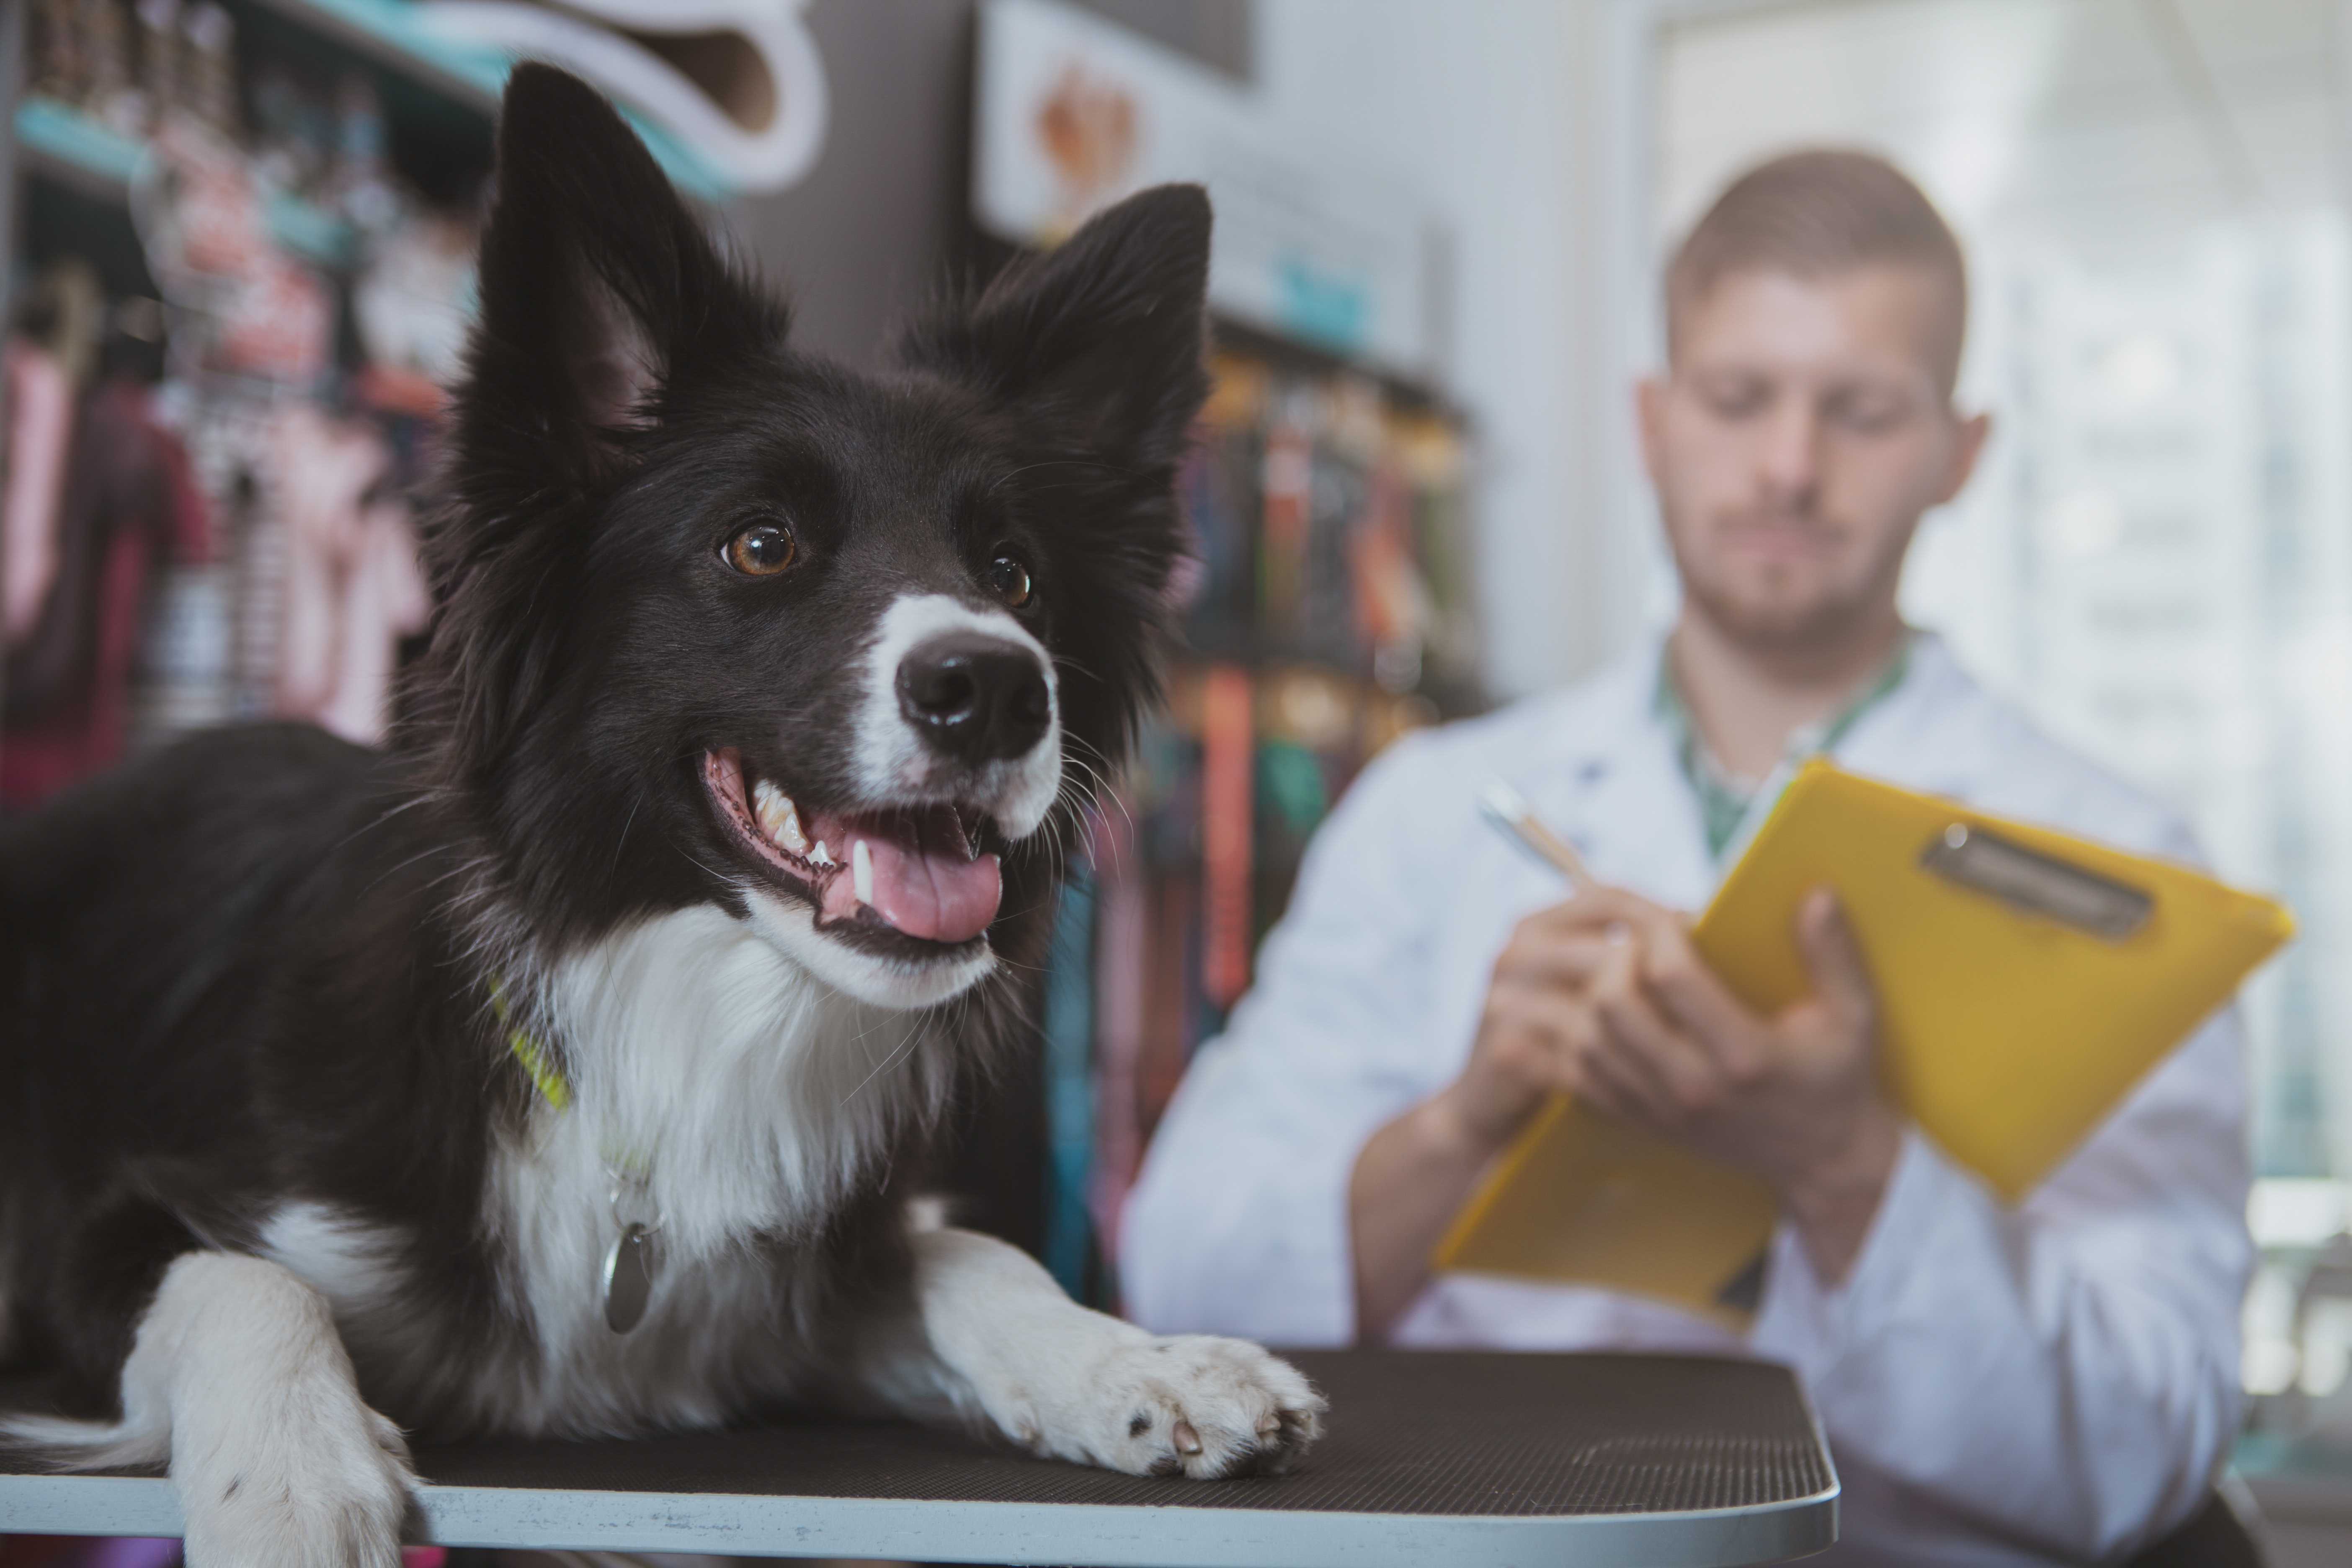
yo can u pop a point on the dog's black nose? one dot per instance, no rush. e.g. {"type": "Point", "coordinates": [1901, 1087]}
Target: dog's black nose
{"type": "Point", "coordinates": [975, 697]}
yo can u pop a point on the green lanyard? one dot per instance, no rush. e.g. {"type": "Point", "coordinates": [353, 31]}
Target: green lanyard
{"type": "Point", "coordinates": [1726, 801]}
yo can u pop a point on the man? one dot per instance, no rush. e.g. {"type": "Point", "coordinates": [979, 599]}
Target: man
{"type": "Point", "coordinates": [2046, 1382]}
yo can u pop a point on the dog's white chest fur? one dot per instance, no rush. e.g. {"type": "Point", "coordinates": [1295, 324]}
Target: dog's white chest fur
{"type": "Point", "coordinates": [751, 1094]}
{"type": "Point", "coordinates": [751, 1098]}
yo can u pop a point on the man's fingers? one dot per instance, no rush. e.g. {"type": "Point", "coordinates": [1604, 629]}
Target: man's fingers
{"type": "Point", "coordinates": [1684, 1077]}
{"type": "Point", "coordinates": [1573, 944]}
{"type": "Point", "coordinates": [1576, 1057]}
{"type": "Point", "coordinates": [1568, 943]}
{"type": "Point", "coordinates": [1619, 1083]}
{"type": "Point", "coordinates": [1607, 1068]}
{"type": "Point", "coordinates": [1614, 1089]}
{"type": "Point", "coordinates": [1841, 976]}
{"type": "Point", "coordinates": [1689, 990]}
{"type": "Point", "coordinates": [1551, 956]}
{"type": "Point", "coordinates": [1524, 1036]}
{"type": "Point", "coordinates": [1596, 909]}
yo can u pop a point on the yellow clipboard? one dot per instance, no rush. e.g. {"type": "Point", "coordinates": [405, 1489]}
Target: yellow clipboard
{"type": "Point", "coordinates": [2027, 979]}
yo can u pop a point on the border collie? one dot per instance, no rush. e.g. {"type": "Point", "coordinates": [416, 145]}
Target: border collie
{"type": "Point", "coordinates": [568, 1067]}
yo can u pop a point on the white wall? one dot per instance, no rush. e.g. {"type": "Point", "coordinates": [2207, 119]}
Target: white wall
{"type": "Point", "coordinates": [1484, 106]}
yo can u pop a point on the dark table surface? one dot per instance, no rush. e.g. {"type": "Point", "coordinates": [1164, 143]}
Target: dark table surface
{"type": "Point", "coordinates": [1655, 1459]}
{"type": "Point", "coordinates": [1409, 1432]}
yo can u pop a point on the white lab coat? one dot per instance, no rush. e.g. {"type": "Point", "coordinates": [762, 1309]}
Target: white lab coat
{"type": "Point", "coordinates": [2046, 1382]}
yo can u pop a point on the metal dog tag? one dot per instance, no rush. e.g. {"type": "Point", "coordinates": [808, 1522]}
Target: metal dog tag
{"type": "Point", "coordinates": [628, 1278]}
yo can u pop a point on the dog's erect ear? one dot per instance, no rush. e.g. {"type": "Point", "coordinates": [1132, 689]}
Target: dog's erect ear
{"type": "Point", "coordinates": [1103, 335]}
{"type": "Point", "coordinates": [602, 301]}
{"type": "Point", "coordinates": [598, 286]}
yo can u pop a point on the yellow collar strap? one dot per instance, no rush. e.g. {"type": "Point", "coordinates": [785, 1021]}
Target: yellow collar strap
{"type": "Point", "coordinates": [633, 1259]}
{"type": "Point", "coordinates": [532, 1053]}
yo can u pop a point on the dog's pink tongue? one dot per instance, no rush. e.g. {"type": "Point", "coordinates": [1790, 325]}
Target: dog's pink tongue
{"type": "Point", "coordinates": [939, 898]}
{"type": "Point", "coordinates": [934, 895]}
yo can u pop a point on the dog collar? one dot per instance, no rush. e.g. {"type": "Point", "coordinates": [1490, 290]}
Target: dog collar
{"type": "Point", "coordinates": [632, 1259]}
{"type": "Point", "coordinates": [545, 1073]}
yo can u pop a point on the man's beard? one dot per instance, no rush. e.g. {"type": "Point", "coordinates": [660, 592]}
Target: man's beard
{"type": "Point", "coordinates": [1824, 620]}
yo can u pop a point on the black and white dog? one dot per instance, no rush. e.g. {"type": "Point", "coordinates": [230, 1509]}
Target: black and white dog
{"type": "Point", "coordinates": [568, 1067]}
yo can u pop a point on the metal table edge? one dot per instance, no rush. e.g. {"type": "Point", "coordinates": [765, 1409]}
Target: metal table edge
{"type": "Point", "coordinates": [1115, 1536]}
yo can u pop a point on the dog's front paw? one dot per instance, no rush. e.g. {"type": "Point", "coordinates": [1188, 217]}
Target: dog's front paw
{"type": "Point", "coordinates": [1196, 1406]}
{"type": "Point", "coordinates": [332, 1489]}
{"type": "Point", "coordinates": [1016, 1356]}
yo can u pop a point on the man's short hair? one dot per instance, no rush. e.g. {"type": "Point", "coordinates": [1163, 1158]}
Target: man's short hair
{"type": "Point", "coordinates": [1814, 214]}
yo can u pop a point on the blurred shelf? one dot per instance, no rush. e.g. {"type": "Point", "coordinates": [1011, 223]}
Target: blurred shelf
{"type": "Point", "coordinates": [395, 34]}
{"type": "Point", "coordinates": [1259, 648]}
{"type": "Point", "coordinates": [1302, 357]}
{"type": "Point", "coordinates": [308, 231]}
{"type": "Point", "coordinates": [64, 144]}
{"type": "Point", "coordinates": [1453, 695]}
{"type": "Point", "coordinates": [60, 142]}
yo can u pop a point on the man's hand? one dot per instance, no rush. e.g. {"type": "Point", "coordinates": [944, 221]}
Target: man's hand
{"type": "Point", "coordinates": [1604, 997]}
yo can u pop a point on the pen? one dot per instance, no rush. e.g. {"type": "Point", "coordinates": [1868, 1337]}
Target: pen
{"type": "Point", "coordinates": [1510, 813]}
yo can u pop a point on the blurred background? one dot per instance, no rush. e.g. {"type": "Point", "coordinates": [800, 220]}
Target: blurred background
{"type": "Point", "coordinates": [238, 238]}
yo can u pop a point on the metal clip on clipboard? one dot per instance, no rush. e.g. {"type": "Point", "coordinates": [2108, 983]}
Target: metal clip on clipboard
{"type": "Point", "coordinates": [2036, 883]}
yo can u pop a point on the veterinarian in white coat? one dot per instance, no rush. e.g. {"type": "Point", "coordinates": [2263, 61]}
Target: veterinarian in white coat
{"type": "Point", "coordinates": [2047, 1382]}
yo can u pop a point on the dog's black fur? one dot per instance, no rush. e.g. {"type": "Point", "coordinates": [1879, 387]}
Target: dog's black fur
{"type": "Point", "coordinates": [258, 965]}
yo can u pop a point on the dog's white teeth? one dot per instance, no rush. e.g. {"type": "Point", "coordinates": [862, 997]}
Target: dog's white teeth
{"type": "Point", "coordinates": [861, 871]}
{"type": "Point", "coordinates": [769, 803]}
{"type": "Point", "coordinates": [820, 856]}
{"type": "Point", "coordinates": [780, 819]}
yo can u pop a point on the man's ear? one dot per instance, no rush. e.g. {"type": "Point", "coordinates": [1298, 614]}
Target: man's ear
{"type": "Point", "coordinates": [598, 286]}
{"type": "Point", "coordinates": [1649, 422]}
{"type": "Point", "coordinates": [1968, 446]}
{"type": "Point", "coordinates": [1101, 336]}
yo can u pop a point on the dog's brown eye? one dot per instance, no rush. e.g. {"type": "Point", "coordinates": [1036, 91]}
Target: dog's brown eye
{"type": "Point", "coordinates": [761, 549]}
{"type": "Point", "coordinates": [1010, 578]}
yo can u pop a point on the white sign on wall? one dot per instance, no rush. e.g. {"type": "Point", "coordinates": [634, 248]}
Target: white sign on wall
{"type": "Point", "coordinates": [1073, 114]}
